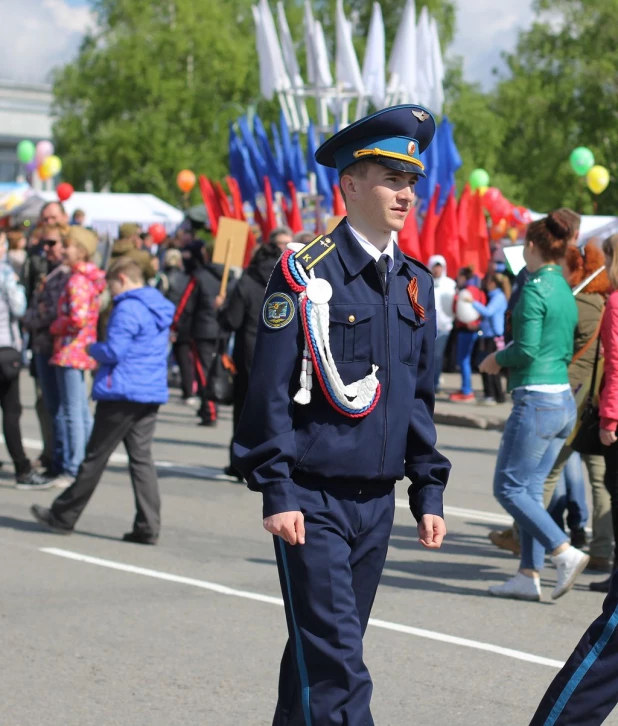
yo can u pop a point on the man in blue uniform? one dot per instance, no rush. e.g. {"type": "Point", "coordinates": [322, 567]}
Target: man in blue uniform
{"type": "Point", "coordinates": [340, 406]}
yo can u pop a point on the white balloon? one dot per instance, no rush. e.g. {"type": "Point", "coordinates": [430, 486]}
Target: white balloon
{"type": "Point", "coordinates": [465, 312]}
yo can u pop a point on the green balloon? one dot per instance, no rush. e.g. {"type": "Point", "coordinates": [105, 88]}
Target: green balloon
{"type": "Point", "coordinates": [581, 160]}
{"type": "Point", "coordinates": [25, 151]}
{"type": "Point", "coordinates": [478, 178]}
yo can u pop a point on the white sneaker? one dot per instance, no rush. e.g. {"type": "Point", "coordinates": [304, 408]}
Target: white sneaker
{"type": "Point", "coordinates": [191, 401]}
{"type": "Point", "coordinates": [519, 587]}
{"type": "Point", "coordinates": [569, 564]}
{"type": "Point", "coordinates": [63, 481]}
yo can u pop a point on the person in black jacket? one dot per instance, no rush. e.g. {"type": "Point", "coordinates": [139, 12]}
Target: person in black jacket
{"type": "Point", "coordinates": [205, 330]}
{"type": "Point", "coordinates": [241, 314]}
{"type": "Point", "coordinates": [177, 281]}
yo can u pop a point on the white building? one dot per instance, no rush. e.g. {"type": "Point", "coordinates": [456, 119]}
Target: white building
{"type": "Point", "coordinates": [25, 113]}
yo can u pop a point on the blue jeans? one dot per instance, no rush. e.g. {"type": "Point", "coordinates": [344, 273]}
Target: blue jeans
{"type": "Point", "coordinates": [465, 345]}
{"type": "Point", "coordinates": [534, 434]}
{"type": "Point", "coordinates": [73, 417]}
{"type": "Point", "coordinates": [46, 374]}
{"type": "Point", "coordinates": [439, 348]}
{"type": "Point", "coordinates": [570, 494]}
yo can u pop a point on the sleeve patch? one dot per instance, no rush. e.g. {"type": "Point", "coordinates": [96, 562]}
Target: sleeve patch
{"type": "Point", "coordinates": [278, 311]}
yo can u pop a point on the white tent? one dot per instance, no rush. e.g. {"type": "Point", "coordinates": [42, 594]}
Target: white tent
{"type": "Point", "coordinates": [592, 225]}
{"type": "Point", "coordinates": [106, 212]}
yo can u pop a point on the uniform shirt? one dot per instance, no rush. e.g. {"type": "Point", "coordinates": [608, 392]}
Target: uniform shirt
{"type": "Point", "coordinates": [280, 445]}
{"type": "Point", "coordinates": [373, 251]}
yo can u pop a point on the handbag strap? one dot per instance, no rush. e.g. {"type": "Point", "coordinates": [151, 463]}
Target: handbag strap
{"type": "Point", "coordinates": [594, 372]}
{"type": "Point", "coordinates": [585, 348]}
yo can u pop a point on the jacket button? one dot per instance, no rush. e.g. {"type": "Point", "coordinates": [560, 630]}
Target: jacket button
{"type": "Point", "coordinates": [352, 319]}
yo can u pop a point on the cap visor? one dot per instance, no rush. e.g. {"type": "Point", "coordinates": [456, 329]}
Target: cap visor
{"type": "Point", "coordinates": [398, 165]}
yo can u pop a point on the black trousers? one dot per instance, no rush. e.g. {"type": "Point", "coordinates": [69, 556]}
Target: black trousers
{"type": "Point", "coordinates": [492, 383]}
{"type": "Point", "coordinates": [134, 425]}
{"type": "Point", "coordinates": [610, 454]}
{"type": "Point", "coordinates": [204, 351]}
{"type": "Point", "coordinates": [241, 386]}
{"type": "Point", "coordinates": [184, 357]}
{"type": "Point", "coordinates": [11, 413]}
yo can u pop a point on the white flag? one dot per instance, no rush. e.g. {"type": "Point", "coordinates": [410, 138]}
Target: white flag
{"type": "Point", "coordinates": [267, 73]}
{"type": "Point", "coordinates": [282, 82]}
{"type": "Point", "coordinates": [374, 62]}
{"type": "Point", "coordinates": [403, 83]}
{"type": "Point", "coordinates": [347, 69]}
{"type": "Point", "coordinates": [424, 62]}
{"type": "Point", "coordinates": [318, 66]}
{"type": "Point", "coordinates": [287, 46]}
{"type": "Point", "coordinates": [437, 95]}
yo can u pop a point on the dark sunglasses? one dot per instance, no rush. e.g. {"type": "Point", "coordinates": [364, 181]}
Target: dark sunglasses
{"type": "Point", "coordinates": [49, 242]}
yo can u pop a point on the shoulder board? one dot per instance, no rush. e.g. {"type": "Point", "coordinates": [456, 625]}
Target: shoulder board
{"type": "Point", "coordinates": [418, 263]}
{"type": "Point", "coordinates": [315, 251]}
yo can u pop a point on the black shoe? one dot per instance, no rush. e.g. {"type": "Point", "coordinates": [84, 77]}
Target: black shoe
{"type": "Point", "coordinates": [139, 538]}
{"type": "Point", "coordinates": [601, 586]}
{"type": "Point", "coordinates": [45, 518]}
{"type": "Point", "coordinates": [578, 538]}
{"type": "Point", "coordinates": [207, 422]}
{"type": "Point", "coordinates": [31, 481]}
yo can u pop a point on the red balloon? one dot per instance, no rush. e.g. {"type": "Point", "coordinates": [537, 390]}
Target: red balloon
{"type": "Point", "coordinates": [157, 232]}
{"type": "Point", "coordinates": [491, 197]}
{"type": "Point", "coordinates": [64, 191]}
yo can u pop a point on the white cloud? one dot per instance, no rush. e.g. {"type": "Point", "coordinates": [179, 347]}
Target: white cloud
{"type": "Point", "coordinates": [485, 29]}
{"type": "Point", "coordinates": [43, 34]}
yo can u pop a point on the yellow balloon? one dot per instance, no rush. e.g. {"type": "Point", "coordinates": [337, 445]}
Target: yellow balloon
{"type": "Point", "coordinates": [54, 164]}
{"type": "Point", "coordinates": [43, 172]}
{"type": "Point", "coordinates": [598, 179]}
{"type": "Point", "coordinates": [482, 190]}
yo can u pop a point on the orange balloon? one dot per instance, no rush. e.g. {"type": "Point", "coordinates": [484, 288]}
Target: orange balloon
{"type": "Point", "coordinates": [185, 180]}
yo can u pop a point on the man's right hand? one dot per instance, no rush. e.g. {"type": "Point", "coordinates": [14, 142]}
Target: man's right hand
{"type": "Point", "coordinates": [288, 525]}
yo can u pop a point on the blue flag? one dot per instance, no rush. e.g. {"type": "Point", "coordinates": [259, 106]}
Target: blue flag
{"type": "Point", "coordinates": [276, 179]}
{"type": "Point", "coordinates": [289, 160]}
{"type": "Point", "coordinates": [449, 159]}
{"type": "Point", "coordinates": [331, 173]}
{"type": "Point", "coordinates": [321, 177]}
{"type": "Point", "coordinates": [278, 150]}
{"type": "Point", "coordinates": [255, 155]}
{"type": "Point", "coordinates": [242, 169]}
{"type": "Point", "coordinates": [300, 168]}
{"type": "Point", "coordinates": [425, 187]}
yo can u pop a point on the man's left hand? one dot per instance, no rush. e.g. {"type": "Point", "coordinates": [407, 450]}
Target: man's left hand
{"type": "Point", "coordinates": [431, 531]}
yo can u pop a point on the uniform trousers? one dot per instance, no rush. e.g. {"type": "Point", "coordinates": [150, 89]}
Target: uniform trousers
{"type": "Point", "coordinates": [329, 585]}
{"type": "Point", "coordinates": [134, 425]}
{"type": "Point", "coordinates": [184, 358]}
{"type": "Point", "coordinates": [204, 351]}
{"type": "Point", "coordinates": [584, 692]}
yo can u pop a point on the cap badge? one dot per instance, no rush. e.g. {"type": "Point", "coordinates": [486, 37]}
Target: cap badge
{"type": "Point", "coordinates": [420, 115]}
{"type": "Point", "coordinates": [411, 148]}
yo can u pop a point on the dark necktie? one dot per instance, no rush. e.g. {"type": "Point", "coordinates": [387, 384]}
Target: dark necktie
{"type": "Point", "coordinates": [382, 265]}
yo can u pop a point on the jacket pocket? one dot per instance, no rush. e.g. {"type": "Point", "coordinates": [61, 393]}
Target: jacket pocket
{"type": "Point", "coordinates": [410, 334]}
{"type": "Point", "coordinates": [350, 332]}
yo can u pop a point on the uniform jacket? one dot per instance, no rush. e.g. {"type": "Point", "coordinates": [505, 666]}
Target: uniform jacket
{"type": "Point", "coordinates": [492, 314]}
{"type": "Point", "coordinates": [133, 360]}
{"type": "Point", "coordinates": [78, 313]}
{"type": "Point", "coordinates": [608, 401]}
{"type": "Point", "coordinates": [38, 321]}
{"type": "Point", "coordinates": [201, 307]}
{"type": "Point", "coordinates": [544, 322]}
{"type": "Point", "coordinates": [279, 443]}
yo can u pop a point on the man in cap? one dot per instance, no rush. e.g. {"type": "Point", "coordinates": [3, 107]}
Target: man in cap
{"type": "Point", "coordinates": [129, 244]}
{"type": "Point", "coordinates": [340, 406]}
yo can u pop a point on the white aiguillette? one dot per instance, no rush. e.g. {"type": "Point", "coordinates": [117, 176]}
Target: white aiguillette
{"type": "Point", "coordinates": [319, 291]}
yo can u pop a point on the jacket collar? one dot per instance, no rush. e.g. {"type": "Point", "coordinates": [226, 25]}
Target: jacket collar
{"type": "Point", "coordinates": [354, 257]}
{"type": "Point", "coordinates": [551, 268]}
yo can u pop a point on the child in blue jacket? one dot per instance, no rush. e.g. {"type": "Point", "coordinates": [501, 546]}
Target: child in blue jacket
{"type": "Point", "coordinates": [130, 385]}
{"type": "Point", "coordinates": [497, 288]}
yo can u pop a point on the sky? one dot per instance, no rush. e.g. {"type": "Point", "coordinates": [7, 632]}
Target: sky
{"type": "Point", "coordinates": [45, 33]}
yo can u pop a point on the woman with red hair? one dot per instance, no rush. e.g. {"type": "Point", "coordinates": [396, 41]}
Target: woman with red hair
{"type": "Point", "coordinates": [577, 267]}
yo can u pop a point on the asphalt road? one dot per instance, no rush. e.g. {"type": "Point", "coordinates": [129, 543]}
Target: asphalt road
{"type": "Point", "coordinates": [95, 631]}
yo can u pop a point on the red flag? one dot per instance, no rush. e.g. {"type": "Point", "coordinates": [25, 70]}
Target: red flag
{"type": "Point", "coordinates": [477, 251]}
{"type": "Point", "coordinates": [428, 233]}
{"type": "Point", "coordinates": [447, 235]}
{"type": "Point", "coordinates": [463, 223]}
{"type": "Point", "coordinates": [224, 202]}
{"type": "Point", "coordinates": [211, 203]}
{"type": "Point", "coordinates": [408, 237]}
{"type": "Point", "coordinates": [295, 220]}
{"type": "Point", "coordinates": [339, 209]}
{"type": "Point", "coordinates": [236, 207]}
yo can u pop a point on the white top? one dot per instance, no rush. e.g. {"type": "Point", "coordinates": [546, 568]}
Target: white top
{"type": "Point", "coordinates": [373, 250]}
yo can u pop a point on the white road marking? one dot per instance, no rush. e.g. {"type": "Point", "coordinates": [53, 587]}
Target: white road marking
{"type": "Point", "coordinates": [224, 590]}
{"type": "Point", "coordinates": [476, 515]}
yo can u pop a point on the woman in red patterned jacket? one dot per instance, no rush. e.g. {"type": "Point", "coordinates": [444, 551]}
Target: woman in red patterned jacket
{"type": "Point", "coordinates": [74, 329]}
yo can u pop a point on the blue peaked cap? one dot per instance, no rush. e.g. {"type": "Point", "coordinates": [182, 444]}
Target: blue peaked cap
{"type": "Point", "coordinates": [394, 137]}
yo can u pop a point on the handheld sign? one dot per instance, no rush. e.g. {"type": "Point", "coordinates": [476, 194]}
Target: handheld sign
{"type": "Point", "coordinates": [332, 223]}
{"type": "Point", "coordinates": [230, 244]}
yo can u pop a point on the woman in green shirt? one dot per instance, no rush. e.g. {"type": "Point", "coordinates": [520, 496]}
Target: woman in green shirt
{"type": "Point", "coordinates": [543, 412]}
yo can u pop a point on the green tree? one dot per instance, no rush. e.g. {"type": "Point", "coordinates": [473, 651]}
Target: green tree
{"type": "Point", "coordinates": [152, 91]}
